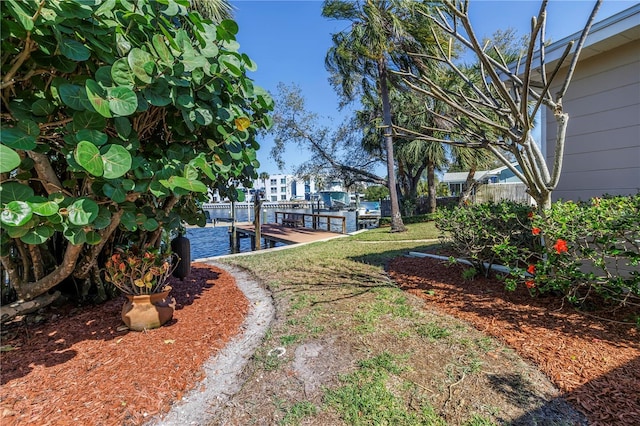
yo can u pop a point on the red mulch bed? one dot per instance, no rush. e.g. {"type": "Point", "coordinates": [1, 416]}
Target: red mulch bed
{"type": "Point", "coordinates": [596, 363]}
{"type": "Point", "coordinates": [77, 368]}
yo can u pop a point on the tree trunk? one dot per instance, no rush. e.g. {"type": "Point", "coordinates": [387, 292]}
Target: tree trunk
{"type": "Point", "coordinates": [396, 218]}
{"type": "Point", "coordinates": [470, 184]}
{"type": "Point", "coordinates": [22, 308]}
{"type": "Point", "coordinates": [30, 290]}
{"type": "Point", "coordinates": [431, 182]}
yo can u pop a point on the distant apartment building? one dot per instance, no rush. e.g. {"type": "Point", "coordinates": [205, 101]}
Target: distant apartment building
{"type": "Point", "coordinates": [283, 187]}
{"type": "Point", "coordinates": [278, 187]}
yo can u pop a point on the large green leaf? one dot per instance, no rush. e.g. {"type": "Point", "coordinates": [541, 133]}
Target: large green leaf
{"type": "Point", "coordinates": [233, 64]}
{"type": "Point", "coordinates": [42, 108]}
{"type": "Point", "coordinates": [158, 95]}
{"type": "Point", "coordinates": [44, 208]}
{"type": "Point", "coordinates": [116, 161]}
{"type": "Point", "coordinates": [162, 50]}
{"type": "Point", "coordinates": [116, 193]}
{"type": "Point", "coordinates": [83, 211]}
{"type": "Point", "coordinates": [16, 138]}
{"type": "Point", "coordinates": [71, 95]}
{"type": "Point", "coordinates": [9, 159]}
{"type": "Point", "coordinates": [88, 156]}
{"type": "Point", "coordinates": [204, 117]}
{"type": "Point", "coordinates": [88, 120]}
{"type": "Point", "coordinates": [38, 235]}
{"type": "Point", "coordinates": [123, 101]}
{"type": "Point", "coordinates": [75, 50]}
{"type": "Point", "coordinates": [16, 213]}
{"type": "Point", "coordinates": [128, 220]}
{"type": "Point", "coordinates": [63, 64]}
{"type": "Point", "coordinates": [138, 59]}
{"type": "Point", "coordinates": [150, 224]}
{"type": "Point", "coordinates": [93, 238]}
{"type": "Point", "coordinates": [96, 137]}
{"type": "Point", "coordinates": [123, 127]}
{"type": "Point", "coordinates": [122, 74]}
{"type": "Point", "coordinates": [229, 26]}
{"type": "Point", "coordinates": [14, 191]}
{"type": "Point", "coordinates": [97, 96]}
{"type": "Point", "coordinates": [103, 219]}
{"type": "Point", "coordinates": [75, 235]}
{"type": "Point", "coordinates": [189, 185]}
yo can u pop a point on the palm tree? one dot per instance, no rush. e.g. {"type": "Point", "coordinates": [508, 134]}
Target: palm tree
{"type": "Point", "coordinates": [360, 58]}
{"type": "Point", "coordinates": [216, 10]}
{"type": "Point", "coordinates": [264, 176]}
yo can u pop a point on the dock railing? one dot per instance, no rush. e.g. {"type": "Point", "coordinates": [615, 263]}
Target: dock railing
{"type": "Point", "coordinates": [315, 221]}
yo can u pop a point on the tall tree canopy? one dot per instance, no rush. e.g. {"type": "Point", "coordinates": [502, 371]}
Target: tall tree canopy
{"type": "Point", "coordinates": [117, 116]}
{"type": "Point", "coordinates": [361, 57]}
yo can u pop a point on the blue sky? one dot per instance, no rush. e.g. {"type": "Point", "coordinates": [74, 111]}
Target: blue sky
{"type": "Point", "coordinates": [289, 40]}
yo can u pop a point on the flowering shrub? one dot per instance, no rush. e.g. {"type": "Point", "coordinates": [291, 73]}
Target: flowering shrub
{"type": "Point", "coordinates": [486, 233]}
{"type": "Point", "coordinates": [135, 271]}
{"type": "Point", "coordinates": [579, 250]}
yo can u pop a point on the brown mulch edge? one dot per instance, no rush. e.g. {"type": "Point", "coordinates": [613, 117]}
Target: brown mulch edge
{"type": "Point", "coordinates": [77, 368]}
{"type": "Point", "coordinates": [594, 362]}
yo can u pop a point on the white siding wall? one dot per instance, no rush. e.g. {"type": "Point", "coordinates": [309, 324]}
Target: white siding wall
{"type": "Point", "coordinates": [602, 151]}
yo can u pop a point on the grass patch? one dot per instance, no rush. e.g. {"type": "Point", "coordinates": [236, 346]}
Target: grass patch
{"type": "Point", "coordinates": [297, 412]}
{"type": "Point", "coordinates": [366, 397]}
{"type": "Point", "coordinates": [416, 231]}
{"type": "Point", "coordinates": [432, 331]}
{"type": "Point", "coordinates": [337, 295]}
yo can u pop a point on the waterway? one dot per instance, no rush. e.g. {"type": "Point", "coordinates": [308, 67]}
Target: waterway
{"type": "Point", "coordinates": [213, 241]}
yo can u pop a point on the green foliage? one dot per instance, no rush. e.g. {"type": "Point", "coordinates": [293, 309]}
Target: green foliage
{"type": "Point", "coordinates": [119, 107]}
{"type": "Point", "coordinates": [482, 233]}
{"type": "Point", "coordinates": [585, 250]}
{"type": "Point", "coordinates": [376, 192]}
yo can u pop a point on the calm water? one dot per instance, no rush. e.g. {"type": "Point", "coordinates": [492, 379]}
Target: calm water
{"type": "Point", "coordinates": [214, 241]}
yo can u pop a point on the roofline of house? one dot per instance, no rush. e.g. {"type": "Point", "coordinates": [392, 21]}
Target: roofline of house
{"type": "Point", "coordinates": [624, 24]}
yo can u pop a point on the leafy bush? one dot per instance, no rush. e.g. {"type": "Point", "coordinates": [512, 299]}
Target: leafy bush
{"type": "Point", "coordinates": [579, 250]}
{"type": "Point", "coordinates": [118, 118]}
{"type": "Point", "coordinates": [488, 233]}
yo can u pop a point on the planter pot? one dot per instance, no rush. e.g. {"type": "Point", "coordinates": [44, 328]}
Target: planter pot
{"type": "Point", "coordinates": [147, 311]}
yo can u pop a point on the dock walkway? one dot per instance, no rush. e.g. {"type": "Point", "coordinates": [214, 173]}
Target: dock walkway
{"type": "Point", "coordinates": [286, 235]}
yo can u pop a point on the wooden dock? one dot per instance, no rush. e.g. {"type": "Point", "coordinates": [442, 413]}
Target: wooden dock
{"type": "Point", "coordinates": [274, 232]}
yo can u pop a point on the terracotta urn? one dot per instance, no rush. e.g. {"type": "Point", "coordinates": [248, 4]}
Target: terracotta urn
{"type": "Point", "coordinates": [147, 311]}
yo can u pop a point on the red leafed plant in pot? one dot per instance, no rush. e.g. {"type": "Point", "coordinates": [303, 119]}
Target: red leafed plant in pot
{"type": "Point", "coordinates": [141, 275]}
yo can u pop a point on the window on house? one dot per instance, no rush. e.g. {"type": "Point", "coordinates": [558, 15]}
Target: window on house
{"type": "Point", "coordinates": [283, 181]}
{"type": "Point", "coordinates": [274, 190]}
{"type": "Point", "coordinates": [274, 182]}
{"type": "Point", "coordinates": [283, 189]}
{"type": "Point", "coordinates": [274, 198]}
{"type": "Point", "coordinates": [283, 197]}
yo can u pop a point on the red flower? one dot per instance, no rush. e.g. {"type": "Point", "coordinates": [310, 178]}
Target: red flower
{"type": "Point", "coordinates": [530, 284]}
{"type": "Point", "coordinates": [530, 215]}
{"type": "Point", "coordinates": [561, 246]}
{"type": "Point", "coordinates": [531, 269]}
{"type": "Point", "coordinates": [535, 231]}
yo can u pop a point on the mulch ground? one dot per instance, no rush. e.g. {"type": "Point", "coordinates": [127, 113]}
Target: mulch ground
{"type": "Point", "coordinates": [79, 368]}
{"type": "Point", "coordinates": [595, 362]}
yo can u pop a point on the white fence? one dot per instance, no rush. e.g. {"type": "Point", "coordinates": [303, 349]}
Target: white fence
{"type": "Point", "coordinates": [503, 191]}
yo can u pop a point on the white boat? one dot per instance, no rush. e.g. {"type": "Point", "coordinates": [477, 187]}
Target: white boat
{"type": "Point", "coordinates": [335, 200]}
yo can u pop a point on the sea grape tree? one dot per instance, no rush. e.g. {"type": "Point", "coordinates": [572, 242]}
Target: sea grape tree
{"type": "Point", "coordinates": [117, 118]}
